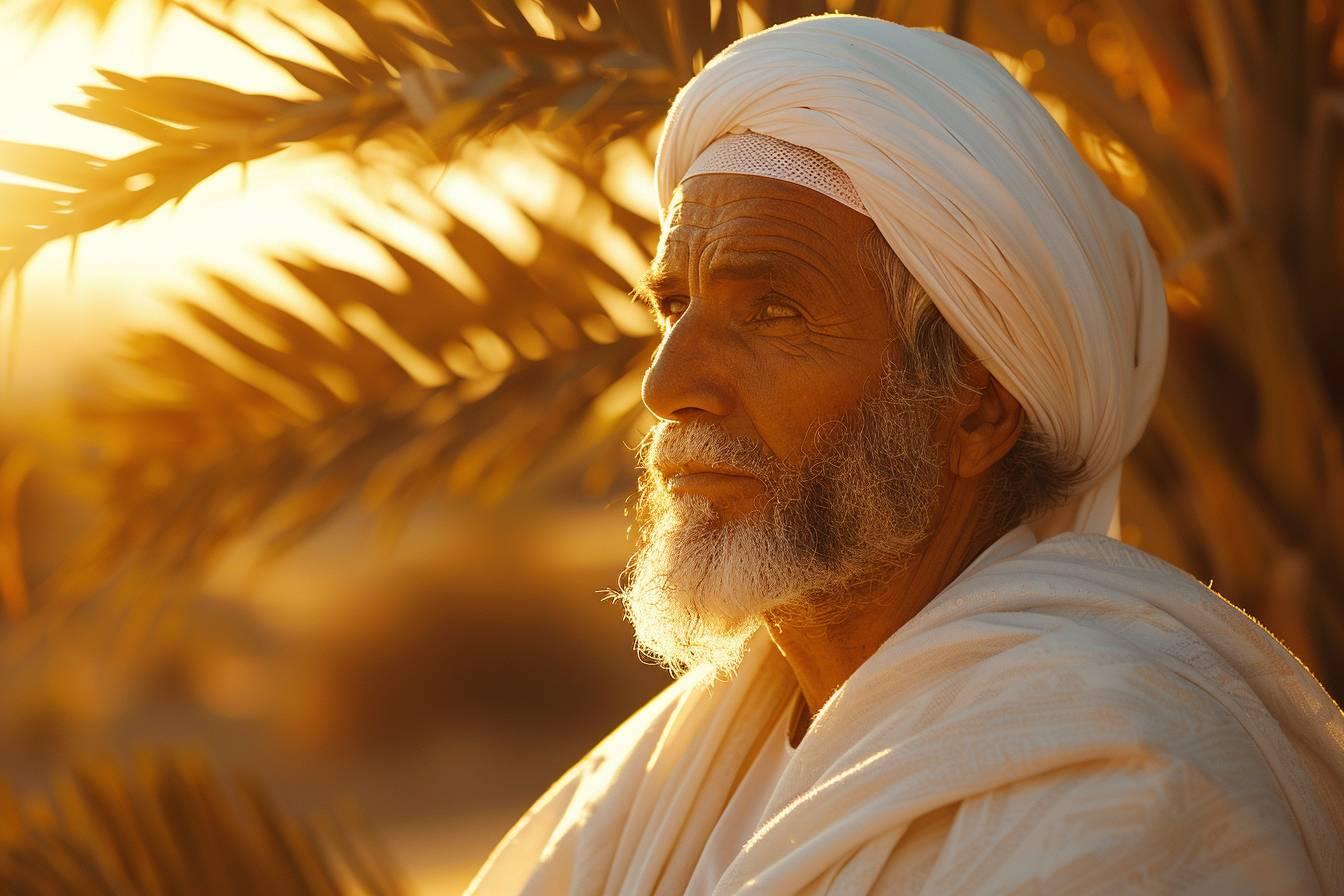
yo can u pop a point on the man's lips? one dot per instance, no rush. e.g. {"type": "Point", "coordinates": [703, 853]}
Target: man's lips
{"type": "Point", "coordinates": [705, 479]}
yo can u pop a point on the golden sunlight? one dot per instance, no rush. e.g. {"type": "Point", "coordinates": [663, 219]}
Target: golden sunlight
{"type": "Point", "coordinates": [122, 277]}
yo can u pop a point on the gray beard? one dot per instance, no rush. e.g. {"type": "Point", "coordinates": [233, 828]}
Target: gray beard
{"type": "Point", "coordinates": [851, 513]}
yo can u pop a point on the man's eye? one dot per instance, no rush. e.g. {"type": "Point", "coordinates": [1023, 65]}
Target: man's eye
{"type": "Point", "coordinates": [777, 311]}
{"type": "Point", "coordinates": [671, 307]}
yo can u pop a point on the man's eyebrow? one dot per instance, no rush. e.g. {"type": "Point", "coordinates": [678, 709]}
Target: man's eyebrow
{"type": "Point", "coordinates": [661, 281]}
{"type": "Point", "coordinates": [753, 266]}
{"type": "Point", "coordinates": [655, 282]}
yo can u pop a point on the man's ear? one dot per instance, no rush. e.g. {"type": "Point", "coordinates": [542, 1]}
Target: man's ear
{"type": "Point", "coordinates": [989, 422]}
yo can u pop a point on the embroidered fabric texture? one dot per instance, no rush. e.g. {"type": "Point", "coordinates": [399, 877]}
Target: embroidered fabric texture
{"type": "Point", "coordinates": [766, 156]}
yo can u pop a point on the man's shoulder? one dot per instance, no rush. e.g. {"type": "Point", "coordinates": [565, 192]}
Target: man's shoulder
{"type": "Point", "coordinates": [1110, 630]}
{"type": "Point", "coordinates": [1093, 586]}
{"type": "Point", "coordinates": [1049, 664]}
{"type": "Point", "coordinates": [1162, 611]}
{"type": "Point", "coordinates": [1089, 554]}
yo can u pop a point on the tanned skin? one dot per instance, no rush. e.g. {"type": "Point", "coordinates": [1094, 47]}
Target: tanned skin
{"type": "Point", "coordinates": [770, 325]}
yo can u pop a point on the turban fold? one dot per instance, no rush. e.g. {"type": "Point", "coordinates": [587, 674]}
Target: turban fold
{"type": "Point", "coordinates": [1047, 278]}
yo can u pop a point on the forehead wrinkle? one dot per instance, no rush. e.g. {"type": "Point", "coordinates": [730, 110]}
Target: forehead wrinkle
{"type": "Point", "coordinates": [750, 219]}
{"type": "Point", "coordinates": [759, 214]}
{"type": "Point", "coordinates": [837, 211]}
{"type": "Point", "coordinates": [818, 259]}
{"type": "Point", "coordinates": [777, 219]}
{"type": "Point", "coordinates": [807, 256]}
{"type": "Point", "coordinates": [771, 266]}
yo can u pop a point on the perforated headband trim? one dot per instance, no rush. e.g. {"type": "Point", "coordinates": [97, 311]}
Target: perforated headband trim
{"type": "Point", "coordinates": [766, 156]}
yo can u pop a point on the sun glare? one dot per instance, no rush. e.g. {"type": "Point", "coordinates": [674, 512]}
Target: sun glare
{"type": "Point", "coordinates": [231, 225]}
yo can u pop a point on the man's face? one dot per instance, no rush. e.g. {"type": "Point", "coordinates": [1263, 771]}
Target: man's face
{"type": "Point", "coordinates": [769, 323]}
{"type": "Point", "coordinates": [793, 458]}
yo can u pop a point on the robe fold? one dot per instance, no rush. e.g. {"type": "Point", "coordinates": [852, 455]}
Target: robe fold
{"type": "Point", "coordinates": [1073, 716]}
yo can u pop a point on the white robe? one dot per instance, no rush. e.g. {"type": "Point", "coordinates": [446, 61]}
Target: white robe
{"type": "Point", "coordinates": [1069, 717]}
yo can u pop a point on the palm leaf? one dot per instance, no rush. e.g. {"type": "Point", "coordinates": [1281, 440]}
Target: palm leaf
{"type": "Point", "coordinates": [171, 826]}
{"type": "Point", "coordinates": [285, 429]}
{"type": "Point", "coordinates": [454, 77]}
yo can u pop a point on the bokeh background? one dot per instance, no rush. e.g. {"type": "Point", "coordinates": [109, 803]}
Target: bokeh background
{"type": "Point", "coordinates": [321, 379]}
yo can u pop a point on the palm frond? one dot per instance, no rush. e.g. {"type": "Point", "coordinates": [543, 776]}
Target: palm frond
{"type": "Point", "coordinates": [272, 423]}
{"type": "Point", "coordinates": [456, 76]}
{"type": "Point", "coordinates": [171, 826]}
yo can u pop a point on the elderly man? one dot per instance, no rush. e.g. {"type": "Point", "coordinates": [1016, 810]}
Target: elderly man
{"type": "Point", "coordinates": [907, 340]}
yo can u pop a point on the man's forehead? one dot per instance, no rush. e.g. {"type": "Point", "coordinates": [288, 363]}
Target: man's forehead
{"type": "Point", "coordinates": [756, 209]}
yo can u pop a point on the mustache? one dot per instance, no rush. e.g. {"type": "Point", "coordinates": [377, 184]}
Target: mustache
{"type": "Point", "coordinates": [672, 443]}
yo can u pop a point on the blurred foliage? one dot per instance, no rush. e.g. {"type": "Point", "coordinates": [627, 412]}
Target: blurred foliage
{"type": "Point", "coordinates": [1218, 123]}
{"type": "Point", "coordinates": [496, 386]}
{"type": "Point", "coordinates": [171, 827]}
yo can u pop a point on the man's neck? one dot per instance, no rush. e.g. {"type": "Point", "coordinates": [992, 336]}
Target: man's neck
{"type": "Point", "coordinates": [824, 655]}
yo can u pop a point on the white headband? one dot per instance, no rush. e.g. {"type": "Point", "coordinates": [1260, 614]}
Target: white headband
{"type": "Point", "coordinates": [764, 156]}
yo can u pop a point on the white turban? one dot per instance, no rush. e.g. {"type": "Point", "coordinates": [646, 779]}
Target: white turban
{"type": "Point", "coordinates": [1047, 278]}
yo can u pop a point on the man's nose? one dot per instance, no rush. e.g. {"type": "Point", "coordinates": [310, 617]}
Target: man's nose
{"type": "Point", "coordinates": [688, 376]}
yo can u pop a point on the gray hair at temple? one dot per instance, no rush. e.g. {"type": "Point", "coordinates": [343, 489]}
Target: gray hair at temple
{"type": "Point", "coordinates": [1032, 477]}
